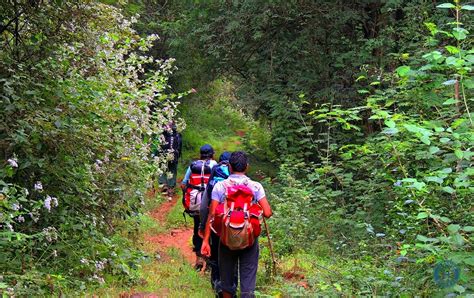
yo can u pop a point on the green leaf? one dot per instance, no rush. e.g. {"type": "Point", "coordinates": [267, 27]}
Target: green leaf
{"type": "Point", "coordinates": [403, 70]}
{"type": "Point", "coordinates": [434, 149]}
{"type": "Point", "coordinates": [450, 101]}
{"type": "Point", "coordinates": [460, 33]}
{"type": "Point", "coordinates": [458, 239]}
{"type": "Point", "coordinates": [432, 27]}
{"type": "Point", "coordinates": [390, 123]}
{"type": "Point", "coordinates": [447, 170]}
{"type": "Point", "coordinates": [412, 128]}
{"type": "Point", "coordinates": [422, 215]}
{"type": "Point", "coordinates": [469, 261]}
{"type": "Point", "coordinates": [434, 56]}
{"type": "Point", "coordinates": [453, 228]}
{"type": "Point", "coordinates": [467, 7]}
{"type": "Point", "coordinates": [448, 189]}
{"type": "Point", "coordinates": [418, 185]}
{"type": "Point", "coordinates": [421, 238]}
{"type": "Point", "coordinates": [446, 5]}
{"type": "Point", "coordinates": [434, 179]}
{"type": "Point", "coordinates": [445, 219]}
{"type": "Point", "coordinates": [452, 49]}
{"type": "Point", "coordinates": [444, 140]}
{"type": "Point", "coordinates": [459, 154]}
{"type": "Point", "coordinates": [425, 139]}
{"type": "Point", "coordinates": [468, 229]}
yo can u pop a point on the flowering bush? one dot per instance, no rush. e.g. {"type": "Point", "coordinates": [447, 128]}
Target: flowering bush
{"type": "Point", "coordinates": [79, 110]}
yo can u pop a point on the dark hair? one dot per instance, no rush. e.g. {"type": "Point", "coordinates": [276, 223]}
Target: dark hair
{"type": "Point", "coordinates": [238, 161]}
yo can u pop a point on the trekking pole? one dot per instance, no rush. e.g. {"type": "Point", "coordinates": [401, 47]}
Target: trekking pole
{"type": "Point", "coordinates": [270, 245]}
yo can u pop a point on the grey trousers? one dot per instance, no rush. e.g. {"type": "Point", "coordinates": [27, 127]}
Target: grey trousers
{"type": "Point", "coordinates": [247, 260]}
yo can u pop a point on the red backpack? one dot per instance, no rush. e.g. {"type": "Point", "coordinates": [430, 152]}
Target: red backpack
{"type": "Point", "coordinates": [200, 172]}
{"type": "Point", "coordinates": [237, 220]}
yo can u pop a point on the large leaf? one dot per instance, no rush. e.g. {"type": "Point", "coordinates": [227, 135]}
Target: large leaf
{"type": "Point", "coordinates": [460, 33]}
{"type": "Point", "coordinates": [403, 71]}
{"type": "Point", "coordinates": [453, 228]}
{"type": "Point", "coordinates": [446, 5]}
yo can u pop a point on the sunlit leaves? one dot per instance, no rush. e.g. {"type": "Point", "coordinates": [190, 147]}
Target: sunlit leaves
{"type": "Point", "coordinates": [446, 5]}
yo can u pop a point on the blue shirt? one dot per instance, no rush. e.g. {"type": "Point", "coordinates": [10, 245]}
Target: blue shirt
{"type": "Point", "coordinates": [218, 193]}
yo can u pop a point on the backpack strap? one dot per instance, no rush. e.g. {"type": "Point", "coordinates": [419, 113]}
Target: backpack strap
{"type": "Point", "coordinates": [202, 174]}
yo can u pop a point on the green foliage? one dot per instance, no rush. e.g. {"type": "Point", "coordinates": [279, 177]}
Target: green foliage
{"type": "Point", "coordinates": [402, 194]}
{"type": "Point", "coordinates": [75, 129]}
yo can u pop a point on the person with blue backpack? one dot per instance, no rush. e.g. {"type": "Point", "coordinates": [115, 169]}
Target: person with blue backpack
{"type": "Point", "coordinates": [219, 173]}
{"type": "Point", "coordinates": [194, 187]}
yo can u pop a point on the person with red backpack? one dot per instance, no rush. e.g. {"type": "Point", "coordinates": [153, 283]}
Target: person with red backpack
{"type": "Point", "coordinates": [237, 207]}
{"type": "Point", "coordinates": [193, 185]}
{"type": "Point", "coordinates": [220, 172]}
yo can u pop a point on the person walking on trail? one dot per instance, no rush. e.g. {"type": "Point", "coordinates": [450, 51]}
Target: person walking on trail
{"type": "Point", "coordinates": [172, 145]}
{"type": "Point", "coordinates": [233, 191]}
{"type": "Point", "coordinates": [218, 173]}
{"type": "Point", "coordinates": [193, 185]}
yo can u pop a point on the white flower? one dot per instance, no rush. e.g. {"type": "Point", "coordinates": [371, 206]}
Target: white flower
{"type": "Point", "coordinates": [20, 219]}
{"type": "Point", "coordinates": [16, 206]}
{"type": "Point", "coordinates": [97, 164]}
{"type": "Point", "coordinates": [47, 203]}
{"type": "Point", "coordinates": [55, 201]}
{"type": "Point", "coordinates": [10, 227]}
{"type": "Point", "coordinates": [38, 186]}
{"type": "Point", "coordinates": [84, 261]}
{"type": "Point", "coordinates": [26, 192]}
{"type": "Point", "coordinates": [13, 162]}
{"type": "Point", "coordinates": [50, 233]}
{"type": "Point", "coordinates": [55, 253]}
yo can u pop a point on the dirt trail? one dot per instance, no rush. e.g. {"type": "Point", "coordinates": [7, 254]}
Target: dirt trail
{"type": "Point", "coordinates": [179, 238]}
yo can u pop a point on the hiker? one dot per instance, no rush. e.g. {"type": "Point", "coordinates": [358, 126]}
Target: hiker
{"type": "Point", "coordinates": [194, 185]}
{"type": "Point", "coordinates": [237, 205]}
{"type": "Point", "coordinates": [219, 172]}
{"type": "Point", "coordinates": [172, 144]}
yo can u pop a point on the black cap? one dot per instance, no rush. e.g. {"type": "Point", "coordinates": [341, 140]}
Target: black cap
{"type": "Point", "coordinates": [206, 150]}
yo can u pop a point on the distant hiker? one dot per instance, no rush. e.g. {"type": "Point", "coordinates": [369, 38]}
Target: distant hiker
{"type": "Point", "coordinates": [235, 212]}
{"type": "Point", "coordinates": [219, 172]}
{"type": "Point", "coordinates": [172, 144]}
{"type": "Point", "coordinates": [194, 185]}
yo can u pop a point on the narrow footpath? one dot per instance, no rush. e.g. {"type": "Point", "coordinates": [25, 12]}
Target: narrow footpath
{"type": "Point", "coordinates": [179, 238]}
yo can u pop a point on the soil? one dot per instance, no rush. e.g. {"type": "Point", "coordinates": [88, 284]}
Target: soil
{"type": "Point", "coordinates": [177, 238]}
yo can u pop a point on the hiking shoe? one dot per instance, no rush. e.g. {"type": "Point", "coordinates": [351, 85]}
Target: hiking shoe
{"type": "Point", "coordinates": [199, 263]}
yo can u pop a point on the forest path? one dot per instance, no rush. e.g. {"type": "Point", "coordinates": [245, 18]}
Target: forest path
{"type": "Point", "coordinates": [179, 238]}
{"type": "Point", "coordinates": [162, 244]}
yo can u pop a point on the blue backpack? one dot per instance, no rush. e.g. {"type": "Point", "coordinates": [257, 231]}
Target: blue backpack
{"type": "Point", "coordinates": [220, 173]}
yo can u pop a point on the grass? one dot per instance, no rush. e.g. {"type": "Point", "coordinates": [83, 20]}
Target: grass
{"type": "Point", "coordinates": [175, 218]}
